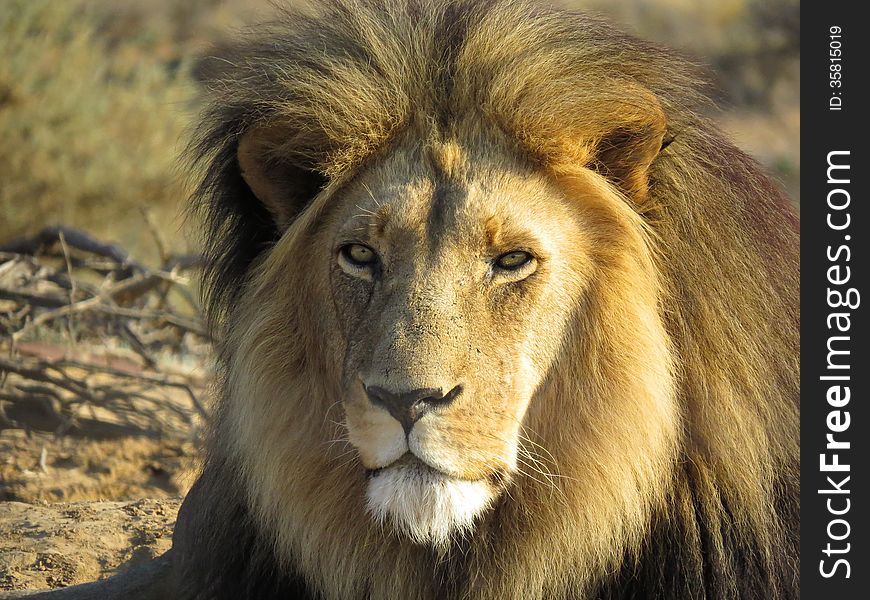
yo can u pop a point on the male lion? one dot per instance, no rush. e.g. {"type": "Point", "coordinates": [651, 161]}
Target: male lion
{"type": "Point", "coordinates": [501, 316]}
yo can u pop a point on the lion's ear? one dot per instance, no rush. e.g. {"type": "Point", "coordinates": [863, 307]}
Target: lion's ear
{"type": "Point", "coordinates": [625, 154]}
{"type": "Point", "coordinates": [279, 180]}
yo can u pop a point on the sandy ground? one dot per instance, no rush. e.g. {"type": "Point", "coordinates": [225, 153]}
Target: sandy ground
{"type": "Point", "coordinates": [75, 507]}
{"type": "Point", "coordinates": [57, 545]}
{"type": "Point", "coordinates": [42, 468]}
{"type": "Point", "coordinates": [69, 516]}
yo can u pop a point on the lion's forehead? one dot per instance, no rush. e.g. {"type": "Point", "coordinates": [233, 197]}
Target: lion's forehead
{"type": "Point", "coordinates": [423, 207]}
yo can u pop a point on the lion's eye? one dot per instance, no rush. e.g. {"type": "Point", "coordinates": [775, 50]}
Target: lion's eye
{"type": "Point", "coordinates": [359, 255]}
{"type": "Point", "coordinates": [511, 261]}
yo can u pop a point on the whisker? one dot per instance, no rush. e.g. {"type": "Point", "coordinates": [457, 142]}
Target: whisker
{"type": "Point", "coordinates": [331, 443]}
{"type": "Point", "coordinates": [366, 211]}
{"type": "Point", "coordinates": [555, 490]}
{"type": "Point", "coordinates": [543, 463]}
{"type": "Point", "coordinates": [372, 196]}
{"type": "Point", "coordinates": [347, 462]}
{"type": "Point", "coordinates": [330, 407]}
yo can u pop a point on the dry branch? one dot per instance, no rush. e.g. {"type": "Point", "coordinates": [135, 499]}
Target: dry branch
{"type": "Point", "coordinates": [64, 295]}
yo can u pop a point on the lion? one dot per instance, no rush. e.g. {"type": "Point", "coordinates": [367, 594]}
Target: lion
{"type": "Point", "coordinates": [501, 314]}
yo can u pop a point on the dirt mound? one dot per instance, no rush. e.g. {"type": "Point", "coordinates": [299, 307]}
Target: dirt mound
{"type": "Point", "coordinates": [57, 545]}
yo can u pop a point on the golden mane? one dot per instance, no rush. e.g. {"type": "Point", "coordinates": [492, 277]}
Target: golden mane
{"type": "Point", "coordinates": [699, 304]}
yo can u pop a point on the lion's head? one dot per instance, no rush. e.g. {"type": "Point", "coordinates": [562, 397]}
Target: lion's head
{"type": "Point", "coordinates": [454, 278]}
{"type": "Point", "coordinates": [471, 306]}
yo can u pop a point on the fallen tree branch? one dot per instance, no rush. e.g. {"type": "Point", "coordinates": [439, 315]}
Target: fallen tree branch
{"type": "Point", "coordinates": [64, 286]}
{"type": "Point", "coordinates": [76, 238]}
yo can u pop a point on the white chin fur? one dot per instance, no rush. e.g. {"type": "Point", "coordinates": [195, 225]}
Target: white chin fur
{"type": "Point", "coordinates": [427, 506]}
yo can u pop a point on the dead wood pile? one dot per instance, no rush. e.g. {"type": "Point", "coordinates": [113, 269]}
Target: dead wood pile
{"type": "Point", "coordinates": [89, 334]}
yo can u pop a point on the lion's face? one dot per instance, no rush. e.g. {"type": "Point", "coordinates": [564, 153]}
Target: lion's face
{"type": "Point", "coordinates": [486, 324]}
{"type": "Point", "coordinates": [452, 285]}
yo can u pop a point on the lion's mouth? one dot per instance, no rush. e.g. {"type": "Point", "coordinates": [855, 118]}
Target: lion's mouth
{"type": "Point", "coordinates": [408, 459]}
{"type": "Point", "coordinates": [497, 479]}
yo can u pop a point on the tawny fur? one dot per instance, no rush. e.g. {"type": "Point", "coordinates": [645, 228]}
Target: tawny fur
{"type": "Point", "coordinates": [655, 406]}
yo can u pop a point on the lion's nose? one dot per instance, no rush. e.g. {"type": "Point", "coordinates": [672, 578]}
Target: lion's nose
{"type": "Point", "coordinates": [408, 407]}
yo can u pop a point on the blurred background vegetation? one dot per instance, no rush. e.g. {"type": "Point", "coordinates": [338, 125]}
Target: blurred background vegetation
{"type": "Point", "coordinates": [96, 97]}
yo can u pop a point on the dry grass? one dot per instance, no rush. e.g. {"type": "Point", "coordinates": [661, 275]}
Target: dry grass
{"type": "Point", "coordinates": [90, 132]}
{"type": "Point", "coordinates": [95, 98]}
